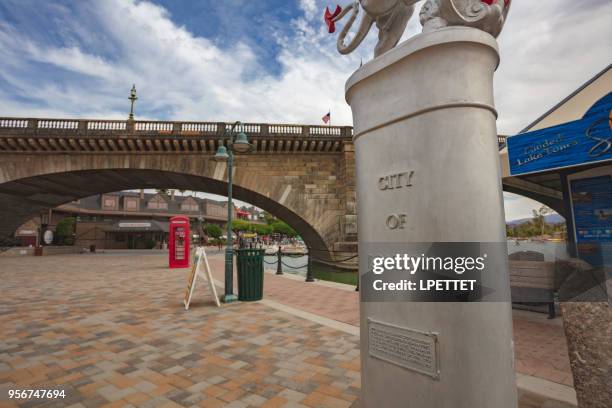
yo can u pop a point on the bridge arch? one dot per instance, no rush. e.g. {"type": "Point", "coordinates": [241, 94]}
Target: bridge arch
{"type": "Point", "coordinates": [553, 201]}
{"type": "Point", "coordinates": [288, 188]}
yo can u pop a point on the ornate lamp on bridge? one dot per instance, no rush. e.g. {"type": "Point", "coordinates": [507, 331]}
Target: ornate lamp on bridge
{"type": "Point", "coordinates": [239, 143]}
{"type": "Point", "coordinates": [132, 99]}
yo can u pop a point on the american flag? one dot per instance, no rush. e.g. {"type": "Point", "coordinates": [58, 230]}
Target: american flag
{"type": "Point", "coordinates": [327, 117]}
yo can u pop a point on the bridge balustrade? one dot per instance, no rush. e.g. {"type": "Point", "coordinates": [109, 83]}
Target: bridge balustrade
{"type": "Point", "coordinates": [106, 125]}
{"type": "Point", "coordinates": [200, 127]}
{"type": "Point", "coordinates": [209, 128]}
{"type": "Point", "coordinates": [154, 126]}
{"type": "Point", "coordinates": [325, 131]}
{"type": "Point", "coordinates": [285, 129]}
{"type": "Point", "coordinates": [245, 127]}
{"type": "Point", "coordinates": [58, 124]}
{"type": "Point", "coordinates": [14, 123]}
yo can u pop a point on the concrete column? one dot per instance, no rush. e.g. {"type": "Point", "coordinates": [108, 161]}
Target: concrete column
{"type": "Point", "coordinates": [425, 110]}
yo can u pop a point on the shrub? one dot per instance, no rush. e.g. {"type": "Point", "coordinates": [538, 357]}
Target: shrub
{"type": "Point", "coordinates": [64, 231]}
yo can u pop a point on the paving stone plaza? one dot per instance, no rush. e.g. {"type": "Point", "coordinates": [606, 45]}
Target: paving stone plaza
{"type": "Point", "coordinates": [110, 329]}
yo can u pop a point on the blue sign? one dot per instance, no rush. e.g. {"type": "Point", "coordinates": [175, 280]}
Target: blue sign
{"type": "Point", "coordinates": [592, 208]}
{"type": "Point", "coordinates": [587, 140]}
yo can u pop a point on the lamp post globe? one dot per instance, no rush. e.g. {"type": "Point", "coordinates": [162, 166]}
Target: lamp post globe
{"type": "Point", "coordinates": [241, 144]}
{"type": "Point", "coordinates": [221, 155]}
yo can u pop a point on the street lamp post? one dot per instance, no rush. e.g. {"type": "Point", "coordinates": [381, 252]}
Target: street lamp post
{"type": "Point", "coordinates": [132, 99]}
{"type": "Point", "coordinates": [238, 142]}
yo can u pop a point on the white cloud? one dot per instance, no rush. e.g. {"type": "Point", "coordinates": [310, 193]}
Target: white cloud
{"type": "Point", "coordinates": [548, 49]}
{"type": "Point", "coordinates": [310, 8]}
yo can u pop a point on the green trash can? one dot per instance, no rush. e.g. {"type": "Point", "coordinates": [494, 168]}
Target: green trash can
{"type": "Point", "coordinates": [250, 274]}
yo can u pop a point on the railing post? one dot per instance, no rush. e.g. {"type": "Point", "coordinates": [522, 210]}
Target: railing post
{"type": "Point", "coordinates": [176, 128]}
{"type": "Point", "coordinates": [279, 265]}
{"type": "Point", "coordinates": [309, 277]}
{"type": "Point", "coordinates": [221, 129]}
{"type": "Point", "coordinates": [346, 132]}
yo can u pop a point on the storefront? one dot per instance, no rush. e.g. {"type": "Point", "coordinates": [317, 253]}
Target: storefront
{"type": "Point", "coordinates": [136, 235]}
{"type": "Point", "coordinates": [573, 159]}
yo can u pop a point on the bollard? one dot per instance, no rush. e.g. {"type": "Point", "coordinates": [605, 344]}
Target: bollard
{"type": "Point", "coordinates": [279, 265]}
{"type": "Point", "coordinates": [309, 277]}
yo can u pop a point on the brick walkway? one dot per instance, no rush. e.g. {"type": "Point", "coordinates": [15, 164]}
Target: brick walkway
{"type": "Point", "coordinates": [111, 331]}
{"type": "Point", "coordinates": [540, 347]}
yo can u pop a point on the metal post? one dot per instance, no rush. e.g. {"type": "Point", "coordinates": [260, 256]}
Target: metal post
{"type": "Point", "coordinates": [279, 265]}
{"type": "Point", "coordinates": [229, 247]}
{"type": "Point", "coordinates": [309, 277]}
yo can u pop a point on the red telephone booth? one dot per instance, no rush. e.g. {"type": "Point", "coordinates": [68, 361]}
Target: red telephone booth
{"type": "Point", "coordinates": [179, 242]}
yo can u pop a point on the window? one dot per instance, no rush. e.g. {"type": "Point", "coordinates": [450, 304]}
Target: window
{"type": "Point", "coordinates": [189, 207]}
{"type": "Point", "coordinates": [109, 203]}
{"type": "Point", "coordinates": [157, 203]}
{"type": "Point", "coordinates": [215, 210]}
{"type": "Point", "coordinates": [130, 204]}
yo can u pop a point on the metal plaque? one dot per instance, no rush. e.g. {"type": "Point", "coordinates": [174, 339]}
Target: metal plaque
{"type": "Point", "coordinates": [406, 348]}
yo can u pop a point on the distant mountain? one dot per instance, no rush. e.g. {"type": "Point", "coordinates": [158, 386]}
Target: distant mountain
{"type": "Point", "coordinates": [550, 219]}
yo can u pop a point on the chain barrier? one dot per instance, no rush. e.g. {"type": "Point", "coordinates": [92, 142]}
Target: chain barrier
{"type": "Point", "coordinates": [342, 260]}
{"type": "Point", "coordinates": [280, 264]}
{"type": "Point", "coordinates": [294, 267]}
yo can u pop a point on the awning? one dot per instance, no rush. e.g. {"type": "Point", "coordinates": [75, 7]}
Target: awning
{"type": "Point", "coordinates": [138, 226]}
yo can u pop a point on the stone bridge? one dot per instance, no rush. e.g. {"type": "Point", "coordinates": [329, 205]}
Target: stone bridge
{"type": "Point", "coordinates": [304, 175]}
{"type": "Point", "coordinates": [301, 174]}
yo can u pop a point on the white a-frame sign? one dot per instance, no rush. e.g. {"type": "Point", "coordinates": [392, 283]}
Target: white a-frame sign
{"type": "Point", "coordinates": [196, 271]}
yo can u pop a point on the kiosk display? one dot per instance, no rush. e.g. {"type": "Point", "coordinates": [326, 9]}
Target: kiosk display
{"type": "Point", "coordinates": [592, 210]}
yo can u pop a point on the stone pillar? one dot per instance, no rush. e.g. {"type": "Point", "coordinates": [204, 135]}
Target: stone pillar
{"type": "Point", "coordinates": [425, 109]}
{"type": "Point", "coordinates": [347, 193]}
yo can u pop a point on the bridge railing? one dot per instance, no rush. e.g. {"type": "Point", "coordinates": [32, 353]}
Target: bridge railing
{"type": "Point", "coordinates": [165, 127]}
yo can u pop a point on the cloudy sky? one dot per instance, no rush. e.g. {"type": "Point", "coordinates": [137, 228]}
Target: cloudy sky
{"type": "Point", "coordinates": [261, 61]}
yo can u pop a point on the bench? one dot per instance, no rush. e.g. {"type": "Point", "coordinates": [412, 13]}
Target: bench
{"type": "Point", "coordinates": [533, 282]}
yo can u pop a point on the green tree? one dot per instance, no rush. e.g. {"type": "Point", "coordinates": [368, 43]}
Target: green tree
{"type": "Point", "coordinates": [213, 230]}
{"type": "Point", "coordinates": [64, 231]}
{"type": "Point", "coordinates": [282, 227]}
{"type": "Point", "coordinates": [262, 229]}
{"type": "Point", "coordinates": [269, 218]}
{"type": "Point", "coordinates": [241, 225]}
